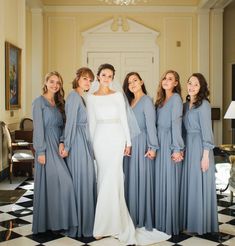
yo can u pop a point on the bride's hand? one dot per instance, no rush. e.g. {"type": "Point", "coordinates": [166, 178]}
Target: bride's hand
{"type": "Point", "coordinates": [127, 151]}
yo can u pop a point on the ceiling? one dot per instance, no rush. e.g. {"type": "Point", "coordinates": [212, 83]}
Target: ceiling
{"type": "Point", "coordinates": [207, 4]}
{"type": "Point", "coordinates": [99, 2]}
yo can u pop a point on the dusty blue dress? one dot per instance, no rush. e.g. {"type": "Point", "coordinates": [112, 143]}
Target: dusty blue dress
{"type": "Point", "coordinates": [54, 203]}
{"type": "Point", "coordinates": [139, 170]}
{"type": "Point", "coordinates": [80, 162]}
{"type": "Point", "coordinates": [198, 206]}
{"type": "Point", "coordinates": [167, 172]}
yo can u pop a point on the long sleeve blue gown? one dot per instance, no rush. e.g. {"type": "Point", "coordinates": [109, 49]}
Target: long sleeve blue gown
{"type": "Point", "coordinates": [168, 172]}
{"type": "Point", "coordinates": [198, 204]}
{"type": "Point", "coordinates": [80, 162]}
{"type": "Point", "coordinates": [54, 204]}
{"type": "Point", "coordinates": [138, 169]}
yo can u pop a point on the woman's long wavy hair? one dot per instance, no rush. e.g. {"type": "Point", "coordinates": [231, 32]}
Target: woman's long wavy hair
{"type": "Point", "coordinates": [130, 96]}
{"type": "Point", "coordinates": [83, 71]}
{"type": "Point", "coordinates": [203, 92]}
{"type": "Point", "coordinates": [59, 95]}
{"type": "Point", "coordinates": [161, 93]}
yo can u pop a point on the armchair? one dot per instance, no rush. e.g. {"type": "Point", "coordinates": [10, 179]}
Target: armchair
{"type": "Point", "coordinates": [19, 153]}
{"type": "Point", "coordinates": [26, 124]}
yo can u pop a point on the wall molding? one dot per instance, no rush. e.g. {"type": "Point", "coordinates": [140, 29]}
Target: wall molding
{"type": "Point", "coordinates": [123, 9]}
{"type": "Point", "coordinates": [49, 37]}
{"type": "Point", "coordinates": [189, 21]}
{"type": "Point", "coordinates": [133, 38]}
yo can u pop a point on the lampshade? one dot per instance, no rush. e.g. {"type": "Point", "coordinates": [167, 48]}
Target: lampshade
{"type": "Point", "coordinates": [230, 113]}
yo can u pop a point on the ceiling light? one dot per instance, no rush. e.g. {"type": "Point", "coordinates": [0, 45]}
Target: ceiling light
{"type": "Point", "coordinates": [123, 2]}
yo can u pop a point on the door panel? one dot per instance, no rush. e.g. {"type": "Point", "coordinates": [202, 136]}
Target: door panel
{"type": "Point", "coordinates": [141, 63]}
{"type": "Point", "coordinates": [125, 62]}
{"type": "Point", "coordinates": [96, 59]}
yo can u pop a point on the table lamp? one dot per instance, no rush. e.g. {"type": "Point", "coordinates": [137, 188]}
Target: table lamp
{"type": "Point", "coordinates": [230, 114]}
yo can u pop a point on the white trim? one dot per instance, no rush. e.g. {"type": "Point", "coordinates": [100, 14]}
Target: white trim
{"type": "Point", "coordinates": [122, 9]}
{"type": "Point", "coordinates": [21, 43]}
{"type": "Point", "coordinates": [36, 11]}
{"type": "Point", "coordinates": [138, 38]}
{"type": "Point", "coordinates": [203, 44]}
{"type": "Point", "coordinates": [222, 3]}
{"type": "Point", "coordinates": [216, 68]}
{"type": "Point", "coordinates": [218, 10]}
{"type": "Point", "coordinates": [133, 28]}
{"type": "Point", "coordinates": [37, 51]}
{"type": "Point", "coordinates": [211, 4]}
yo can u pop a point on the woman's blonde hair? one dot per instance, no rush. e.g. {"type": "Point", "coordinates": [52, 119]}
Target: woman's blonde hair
{"type": "Point", "coordinates": [161, 93]}
{"type": "Point", "coordinates": [59, 95]}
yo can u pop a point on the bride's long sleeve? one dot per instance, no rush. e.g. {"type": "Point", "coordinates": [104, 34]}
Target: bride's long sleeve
{"type": "Point", "coordinates": [123, 118]}
{"type": "Point", "coordinates": [91, 117]}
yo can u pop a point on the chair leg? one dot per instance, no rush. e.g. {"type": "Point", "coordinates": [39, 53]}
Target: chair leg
{"type": "Point", "coordinates": [10, 172]}
{"type": "Point", "coordinates": [231, 197]}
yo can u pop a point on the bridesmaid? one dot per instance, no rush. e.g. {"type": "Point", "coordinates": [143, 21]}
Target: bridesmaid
{"type": "Point", "coordinates": [77, 147]}
{"type": "Point", "coordinates": [54, 206]}
{"type": "Point", "coordinates": [139, 167]}
{"type": "Point", "coordinates": [168, 164]}
{"type": "Point", "coordinates": [198, 205]}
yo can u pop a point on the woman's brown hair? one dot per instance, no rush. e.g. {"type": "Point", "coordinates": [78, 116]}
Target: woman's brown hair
{"type": "Point", "coordinates": [83, 71]}
{"type": "Point", "coordinates": [105, 66]}
{"type": "Point", "coordinates": [161, 93]}
{"type": "Point", "coordinates": [203, 91]}
{"type": "Point", "coordinates": [59, 95]}
{"type": "Point", "coordinates": [125, 87]}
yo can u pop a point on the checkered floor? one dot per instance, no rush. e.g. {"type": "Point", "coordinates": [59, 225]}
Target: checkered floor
{"type": "Point", "coordinates": [16, 219]}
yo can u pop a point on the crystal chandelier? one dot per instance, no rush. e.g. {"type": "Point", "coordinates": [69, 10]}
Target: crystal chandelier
{"type": "Point", "coordinates": [123, 2]}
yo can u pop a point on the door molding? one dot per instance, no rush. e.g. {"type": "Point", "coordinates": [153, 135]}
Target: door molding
{"type": "Point", "coordinates": [121, 35]}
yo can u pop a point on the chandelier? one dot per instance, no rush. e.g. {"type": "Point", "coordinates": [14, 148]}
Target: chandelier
{"type": "Point", "coordinates": [123, 2]}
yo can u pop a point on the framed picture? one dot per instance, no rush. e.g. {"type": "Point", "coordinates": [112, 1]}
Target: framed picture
{"type": "Point", "coordinates": [13, 76]}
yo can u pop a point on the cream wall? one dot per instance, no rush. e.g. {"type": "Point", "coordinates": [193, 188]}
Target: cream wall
{"type": "Point", "coordinates": [199, 32]}
{"type": "Point", "coordinates": [51, 40]}
{"type": "Point", "coordinates": [229, 58]}
{"type": "Point", "coordinates": [12, 29]}
{"type": "Point", "coordinates": [28, 58]}
{"type": "Point", "coordinates": [63, 40]}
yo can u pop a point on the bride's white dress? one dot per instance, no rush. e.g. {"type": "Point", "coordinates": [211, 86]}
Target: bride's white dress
{"type": "Point", "coordinates": [110, 134]}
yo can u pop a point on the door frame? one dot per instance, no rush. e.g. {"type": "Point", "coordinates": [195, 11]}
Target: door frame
{"type": "Point", "coordinates": [121, 35]}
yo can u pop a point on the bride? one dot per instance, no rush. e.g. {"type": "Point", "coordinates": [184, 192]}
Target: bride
{"type": "Point", "coordinates": [111, 140]}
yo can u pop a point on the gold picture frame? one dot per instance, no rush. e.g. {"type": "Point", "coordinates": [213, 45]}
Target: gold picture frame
{"type": "Point", "coordinates": [12, 76]}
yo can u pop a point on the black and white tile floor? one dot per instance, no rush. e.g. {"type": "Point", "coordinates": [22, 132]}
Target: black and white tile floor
{"type": "Point", "coordinates": [16, 223]}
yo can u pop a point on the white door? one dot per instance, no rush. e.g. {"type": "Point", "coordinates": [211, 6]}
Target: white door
{"type": "Point", "coordinates": [96, 59]}
{"type": "Point", "coordinates": [125, 62]}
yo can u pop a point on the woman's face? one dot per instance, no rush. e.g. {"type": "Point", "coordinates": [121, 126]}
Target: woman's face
{"type": "Point", "coordinates": [84, 82]}
{"type": "Point", "coordinates": [134, 84]}
{"type": "Point", "coordinates": [193, 86]}
{"type": "Point", "coordinates": [169, 82]}
{"type": "Point", "coordinates": [53, 84]}
{"type": "Point", "coordinates": [105, 77]}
